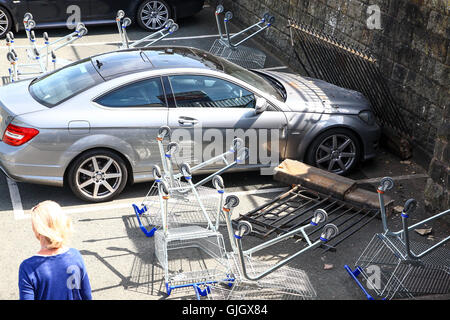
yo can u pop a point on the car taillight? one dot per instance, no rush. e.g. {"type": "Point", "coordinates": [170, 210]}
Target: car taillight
{"type": "Point", "coordinates": [17, 136]}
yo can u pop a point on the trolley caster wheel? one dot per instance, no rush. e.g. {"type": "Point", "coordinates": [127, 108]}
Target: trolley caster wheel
{"type": "Point", "coordinates": [32, 36]}
{"type": "Point", "coordinates": [244, 228]}
{"type": "Point", "coordinates": [329, 231]}
{"type": "Point", "coordinates": [172, 148]}
{"type": "Point", "coordinates": [320, 216]}
{"type": "Point", "coordinates": [36, 53]}
{"type": "Point", "coordinates": [163, 132]}
{"type": "Point", "coordinates": [126, 22]}
{"type": "Point", "coordinates": [82, 32]}
{"type": "Point", "coordinates": [237, 144]}
{"type": "Point", "coordinates": [410, 206]}
{"type": "Point", "coordinates": [11, 58]}
{"type": "Point", "coordinates": [31, 24]}
{"type": "Point", "coordinates": [231, 201]}
{"type": "Point", "coordinates": [156, 171]}
{"type": "Point", "coordinates": [120, 15]}
{"type": "Point", "coordinates": [386, 184]}
{"type": "Point", "coordinates": [228, 15]}
{"type": "Point", "coordinates": [163, 188]}
{"type": "Point", "coordinates": [45, 36]}
{"type": "Point", "coordinates": [186, 170]}
{"type": "Point", "coordinates": [80, 25]}
{"type": "Point", "coordinates": [266, 16]}
{"type": "Point", "coordinates": [271, 20]}
{"type": "Point", "coordinates": [27, 17]}
{"type": "Point", "coordinates": [217, 182]}
{"type": "Point", "coordinates": [219, 9]}
{"type": "Point", "coordinates": [11, 35]}
{"type": "Point", "coordinates": [242, 155]}
{"type": "Point", "coordinates": [173, 28]}
{"type": "Point", "coordinates": [169, 23]}
{"type": "Point", "coordinates": [53, 56]}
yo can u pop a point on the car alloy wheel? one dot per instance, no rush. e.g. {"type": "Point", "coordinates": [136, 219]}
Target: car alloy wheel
{"type": "Point", "coordinates": [98, 176]}
{"type": "Point", "coordinates": [153, 14]}
{"type": "Point", "coordinates": [336, 150]}
{"type": "Point", "coordinates": [336, 153]}
{"type": "Point", "coordinates": [5, 22]}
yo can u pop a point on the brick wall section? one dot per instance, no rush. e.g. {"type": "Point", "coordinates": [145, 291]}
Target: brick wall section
{"type": "Point", "coordinates": [437, 189]}
{"type": "Point", "coordinates": [413, 50]}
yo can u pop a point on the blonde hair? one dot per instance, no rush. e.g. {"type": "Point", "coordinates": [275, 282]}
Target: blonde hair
{"type": "Point", "coordinates": [52, 223]}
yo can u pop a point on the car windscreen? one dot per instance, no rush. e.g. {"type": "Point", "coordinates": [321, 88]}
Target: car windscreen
{"type": "Point", "coordinates": [247, 76]}
{"type": "Point", "coordinates": [64, 83]}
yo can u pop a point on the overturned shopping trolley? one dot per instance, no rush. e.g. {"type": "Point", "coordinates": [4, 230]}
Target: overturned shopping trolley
{"type": "Point", "coordinates": [123, 22]}
{"type": "Point", "coordinates": [395, 267]}
{"type": "Point", "coordinates": [251, 274]}
{"type": "Point", "coordinates": [40, 59]}
{"type": "Point", "coordinates": [231, 47]}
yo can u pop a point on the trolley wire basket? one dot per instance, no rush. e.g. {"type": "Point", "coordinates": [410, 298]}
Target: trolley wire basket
{"type": "Point", "coordinates": [246, 57]}
{"type": "Point", "coordinates": [183, 241]}
{"type": "Point", "coordinates": [389, 273]}
{"type": "Point", "coordinates": [246, 291]}
{"type": "Point", "coordinates": [288, 280]}
{"type": "Point", "coordinates": [395, 267]}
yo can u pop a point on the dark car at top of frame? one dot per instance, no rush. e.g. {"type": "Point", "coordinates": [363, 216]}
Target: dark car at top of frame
{"type": "Point", "coordinates": [149, 14]}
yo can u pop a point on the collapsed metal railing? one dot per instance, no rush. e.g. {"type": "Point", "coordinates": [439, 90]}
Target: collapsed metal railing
{"type": "Point", "coordinates": [345, 65]}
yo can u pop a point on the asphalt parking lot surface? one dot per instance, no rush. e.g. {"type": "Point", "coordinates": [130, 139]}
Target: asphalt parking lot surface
{"type": "Point", "coordinates": [120, 259]}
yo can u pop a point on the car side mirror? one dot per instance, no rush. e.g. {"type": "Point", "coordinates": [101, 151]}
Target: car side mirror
{"type": "Point", "coordinates": [261, 105]}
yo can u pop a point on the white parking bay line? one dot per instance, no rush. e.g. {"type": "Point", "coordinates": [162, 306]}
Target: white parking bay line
{"type": "Point", "coordinates": [15, 200]}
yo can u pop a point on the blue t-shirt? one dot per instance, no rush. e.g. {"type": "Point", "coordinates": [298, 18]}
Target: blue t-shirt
{"type": "Point", "coordinates": [59, 277]}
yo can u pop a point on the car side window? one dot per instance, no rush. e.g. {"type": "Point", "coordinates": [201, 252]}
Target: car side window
{"type": "Point", "coordinates": [195, 91]}
{"type": "Point", "coordinates": [146, 93]}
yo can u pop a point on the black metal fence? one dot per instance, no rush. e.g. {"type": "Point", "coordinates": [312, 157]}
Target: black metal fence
{"type": "Point", "coordinates": [344, 65]}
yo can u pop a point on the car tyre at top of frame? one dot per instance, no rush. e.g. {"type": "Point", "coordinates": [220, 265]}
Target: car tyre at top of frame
{"type": "Point", "coordinates": [336, 150]}
{"type": "Point", "coordinates": [152, 15]}
{"type": "Point", "coordinates": [5, 22]}
{"type": "Point", "coordinates": [97, 175]}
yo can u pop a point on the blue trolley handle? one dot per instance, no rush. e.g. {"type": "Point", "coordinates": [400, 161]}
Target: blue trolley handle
{"type": "Point", "coordinates": [354, 274]}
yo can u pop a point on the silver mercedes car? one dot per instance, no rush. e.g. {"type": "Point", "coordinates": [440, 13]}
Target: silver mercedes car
{"type": "Point", "coordinates": [91, 125]}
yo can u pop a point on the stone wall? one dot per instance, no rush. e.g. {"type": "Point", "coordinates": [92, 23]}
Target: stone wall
{"type": "Point", "coordinates": [412, 48]}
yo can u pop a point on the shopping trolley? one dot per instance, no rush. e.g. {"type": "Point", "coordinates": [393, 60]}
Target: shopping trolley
{"type": "Point", "coordinates": [231, 47]}
{"type": "Point", "coordinates": [185, 206]}
{"type": "Point", "coordinates": [206, 239]}
{"type": "Point", "coordinates": [123, 22]}
{"type": "Point", "coordinates": [395, 267]}
{"type": "Point", "coordinates": [253, 273]}
{"type": "Point", "coordinates": [39, 58]}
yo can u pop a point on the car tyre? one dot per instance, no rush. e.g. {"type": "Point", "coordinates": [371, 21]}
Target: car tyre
{"type": "Point", "coordinates": [336, 150]}
{"type": "Point", "coordinates": [97, 176]}
{"type": "Point", "coordinates": [152, 15]}
{"type": "Point", "coordinates": [5, 22]}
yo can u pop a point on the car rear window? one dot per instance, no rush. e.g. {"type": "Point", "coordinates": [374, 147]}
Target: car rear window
{"type": "Point", "coordinates": [64, 83]}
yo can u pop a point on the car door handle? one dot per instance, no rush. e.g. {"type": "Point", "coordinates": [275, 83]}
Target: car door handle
{"type": "Point", "coordinates": [185, 121]}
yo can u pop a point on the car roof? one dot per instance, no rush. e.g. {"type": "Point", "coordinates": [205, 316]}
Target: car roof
{"type": "Point", "coordinates": [118, 63]}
